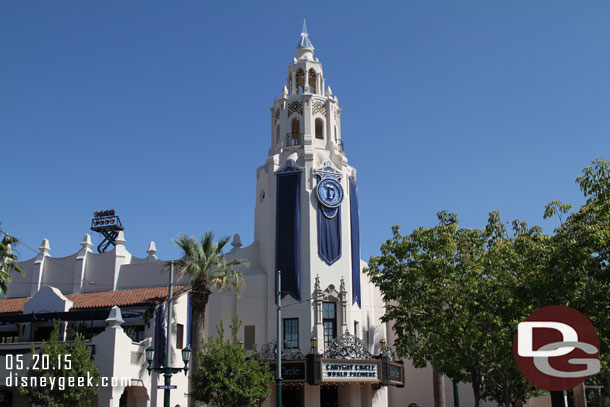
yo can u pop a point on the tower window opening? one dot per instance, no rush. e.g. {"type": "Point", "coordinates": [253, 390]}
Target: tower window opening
{"type": "Point", "coordinates": [300, 77]}
{"type": "Point", "coordinates": [329, 322]}
{"type": "Point", "coordinates": [313, 81]}
{"type": "Point", "coordinates": [320, 129]}
{"type": "Point", "coordinates": [294, 137]}
{"type": "Point", "coordinates": [336, 139]}
{"type": "Point", "coordinates": [277, 134]}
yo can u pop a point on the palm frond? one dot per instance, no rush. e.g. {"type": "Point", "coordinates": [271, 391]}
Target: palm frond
{"type": "Point", "coordinates": [208, 248]}
{"type": "Point", "coordinates": [221, 243]}
{"type": "Point", "coordinates": [205, 264]}
{"type": "Point", "coordinates": [228, 280]}
{"type": "Point", "coordinates": [8, 262]}
{"type": "Point", "coordinates": [237, 262]}
{"type": "Point", "coordinates": [189, 263]}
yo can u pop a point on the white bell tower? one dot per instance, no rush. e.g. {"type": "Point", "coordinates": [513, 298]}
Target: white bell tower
{"type": "Point", "coordinates": [307, 227]}
{"type": "Point", "coordinates": [306, 138]}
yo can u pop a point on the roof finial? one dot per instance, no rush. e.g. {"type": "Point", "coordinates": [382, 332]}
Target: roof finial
{"type": "Point", "coordinates": [305, 47]}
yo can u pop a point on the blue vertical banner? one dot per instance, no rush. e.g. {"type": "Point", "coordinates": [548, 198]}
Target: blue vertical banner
{"type": "Point", "coordinates": [159, 339]}
{"type": "Point", "coordinates": [329, 233]}
{"type": "Point", "coordinates": [288, 231]}
{"type": "Point", "coordinates": [355, 228]}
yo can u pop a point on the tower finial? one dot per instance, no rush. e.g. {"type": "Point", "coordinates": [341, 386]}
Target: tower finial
{"type": "Point", "coordinates": [305, 43]}
{"type": "Point", "coordinates": [305, 47]}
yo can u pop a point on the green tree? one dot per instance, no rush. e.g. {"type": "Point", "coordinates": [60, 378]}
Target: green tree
{"type": "Point", "coordinates": [67, 362]}
{"type": "Point", "coordinates": [578, 271]}
{"type": "Point", "coordinates": [206, 267]}
{"type": "Point", "coordinates": [454, 297]}
{"type": "Point", "coordinates": [228, 377]}
{"type": "Point", "coordinates": [8, 261]}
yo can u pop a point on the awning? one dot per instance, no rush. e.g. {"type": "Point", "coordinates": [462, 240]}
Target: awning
{"type": "Point", "coordinates": [88, 315]}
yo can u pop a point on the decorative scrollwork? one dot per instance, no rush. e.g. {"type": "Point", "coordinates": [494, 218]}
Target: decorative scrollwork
{"type": "Point", "coordinates": [268, 351]}
{"type": "Point", "coordinates": [347, 346]}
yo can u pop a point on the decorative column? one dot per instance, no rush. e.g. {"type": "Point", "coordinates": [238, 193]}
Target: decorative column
{"type": "Point", "coordinates": [81, 264]}
{"type": "Point", "coordinates": [39, 266]}
{"type": "Point", "coordinates": [342, 295]}
{"type": "Point", "coordinates": [152, 252]}
{"type": "Point", "coordinates": [121, 256]}
{"type": "Point", "coordinates": [317, 292]}
{"type": "Point", "coordinates": [318, 328]}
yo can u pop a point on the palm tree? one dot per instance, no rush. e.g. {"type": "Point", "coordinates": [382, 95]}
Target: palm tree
{"type": "Point", "coordinates": [8, 260]}
{"type": "Point", "coordinates": [206, 267]}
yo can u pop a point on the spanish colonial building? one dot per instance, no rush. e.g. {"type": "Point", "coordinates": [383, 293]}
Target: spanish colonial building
{"type": "Point", "coordinates": [117, 301]}
{"type": "Point", "coordinates": [306, 246]}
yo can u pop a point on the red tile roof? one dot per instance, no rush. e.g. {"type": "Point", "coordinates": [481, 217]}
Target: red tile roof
{"type": "Point", "coordinates": [12, 305]}
{"type": "Point", "coordinates": [102, 299]}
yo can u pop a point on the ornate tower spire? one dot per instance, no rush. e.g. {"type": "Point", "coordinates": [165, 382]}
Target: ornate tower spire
{"type": "Point", "coordinates": [306, 216]}
{"type": "Point", "coordinates": [306, 120]}
{"type": "Point", "coordinates": [305, 47]}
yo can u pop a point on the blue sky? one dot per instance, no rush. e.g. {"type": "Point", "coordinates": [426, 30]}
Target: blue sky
{"type": "Point", "coordinates": [160, 110]}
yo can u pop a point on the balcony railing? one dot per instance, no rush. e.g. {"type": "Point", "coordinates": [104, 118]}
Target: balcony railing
{"type": "Point", "coordinates": [294, 139]}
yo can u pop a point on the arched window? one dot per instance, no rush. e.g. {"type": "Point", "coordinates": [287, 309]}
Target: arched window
{"type": "Point", "coordinates": [300, 77]}
{"type": "Point", "coordinates": [294, 138]}
{"type": "Point", "coordinates": [277, 134]}
{"type": "Point", "coordinates": [319, 129]}
{"type": "Point", "coordinates": [313, 83]}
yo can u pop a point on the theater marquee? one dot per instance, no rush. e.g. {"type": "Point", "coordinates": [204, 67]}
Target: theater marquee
{"type": "Point", "coordinates": [351, 371]}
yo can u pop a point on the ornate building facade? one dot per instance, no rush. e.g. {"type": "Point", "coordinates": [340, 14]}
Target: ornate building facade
{"type": "Point", "coordinates": [307, 228]}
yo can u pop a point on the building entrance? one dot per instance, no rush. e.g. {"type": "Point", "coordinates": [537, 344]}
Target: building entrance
{"type": "Point", "coordinates": [329, 396]}
{"type": "Point", "coordinates": [292, 396]}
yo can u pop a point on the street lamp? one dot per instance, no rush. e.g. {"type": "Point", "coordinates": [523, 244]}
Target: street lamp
{"type": "Point", "coordinates": [382, 344]}
{"type": "Point", "coordinates": [168, 371]}
{"type": "Point", "coordinates": [186, 352]}
{"type": "Point", "coordinates": [186, 358]}
{"type": "Point", "coordinates": [314, 343]}
{"type": "Point", "coordinates": [150, 356]}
